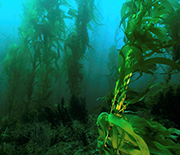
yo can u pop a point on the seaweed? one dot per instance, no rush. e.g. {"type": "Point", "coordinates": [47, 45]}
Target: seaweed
{"type": "Point", "coordinates": [77, 109]}
{"type": "Point", "coordinates": [166, 106]}
{"type": "Point", "coordinates": [15, 69]}
{"type": "Point", "coordinates": [76, 44]}
{"type": "Point", "coordinates": [43, 29]}
{"type": "Point", "coordinates": [146, 43]}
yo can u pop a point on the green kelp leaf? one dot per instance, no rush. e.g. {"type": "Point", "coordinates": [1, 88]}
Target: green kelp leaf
{"type": "Point", "coordinates": [142, 94]}
{"type": "Point", "coordinates": [102, 120]}
{"type": "Point", "coordinates": [138, 54]}
{"type": "Point", "coordinates": [124, 18]}
{"type": "Point", "coordinates": [140, 75]}
{"type": "Point", "coordinates": [125, 15]}
{"type": "Point", "coordinates": [174, 3]}
{"type": "Point", "coordinates": [152, 67]}
{"type": "Point", "coordinates": [114, 138]}
{"type": "Point", "coordinates": [134, 68]}
{"type": "Point", "coordinates": [174, 131]}
{"type": "Point", "coordinates": [89, 26]}
{"type": "Point", "coordinates": [140, 60]}
{"type": "Point", "coordinates": [102, 124]}
{"type": "Point", "coordinates": [72, 12]}
{"type": "Point", "coordinates": [164, 61]}
{"type": "Point", "coordinates": [123, 9]}
{"type": "Point", "coordinates": [155, 135]}
{"type": "Point", "coordinates": [126, 126]}
{"type": "Point", "coordinates": [160, 32]}
{"type": "Point", "coordinates": [161, 14]}
{"type": "Point", "coordinates": [121, 63]}
{"type": "Point", "coordinates": [131, 151]}
{"type": "Point", "coordinates": [165, 146]}
{"type": "Point", "coordinates": [152, 44]}
{"type": "Point", "coordinates": [138, 68]}
{"type": "Point", "coordinates": [162, 149]}
{"type": "Point", "coordinates": [107, 151]}
{"type": "Point", "coordinates": [65, 3]}
{"type": "Point", "coordinates": [122, 54]}
{"type": "Point", "coordinates": [149, 19]}
{"type": "Point", "coordinates": [144, 127]}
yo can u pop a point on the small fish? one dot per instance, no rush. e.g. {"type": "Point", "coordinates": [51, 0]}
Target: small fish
{"type": "Point", "coordinates": [129, 112]}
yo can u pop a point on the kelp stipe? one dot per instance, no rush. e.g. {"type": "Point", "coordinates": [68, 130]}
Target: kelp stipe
{"type": "Point", "coordinates": [43, 28]}
{"type": "Point", "coordinates": [146, 43]}
{"type": "Point", "coordinates": [15, 70]}
{"type": "Point", "coordinates": [76, 44]}
{"type": "Point", "coordinates": [32, 67]}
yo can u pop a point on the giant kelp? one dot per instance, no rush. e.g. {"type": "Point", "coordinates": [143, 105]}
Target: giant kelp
{"type": "Point", "coordinates": [43, 28]}
{"type": "Point", "coordinates": [32, 66]}
{"type": "Point", "coordinates": [15, 70]}
{"type": "Point", "coordinates": [146, 42]}
{"type": "Point", "coordinates": [172, 25]}
{"type": "Point", "coordinates": [76, 44]}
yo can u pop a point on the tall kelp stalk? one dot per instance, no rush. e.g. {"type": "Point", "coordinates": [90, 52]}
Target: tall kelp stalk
{"type": "Point", "coordinates": [146, 43]}
{"type": "Point", "coordinates": [43, 30]}
{"type": "Point", "coordinates": [173, 31]}
{"type": "Point", "coordinates": [32, 67]}
{"type": "Point", "coordinates": [15, 70]}
{"type": "Point", "coordinates": [77, 43]}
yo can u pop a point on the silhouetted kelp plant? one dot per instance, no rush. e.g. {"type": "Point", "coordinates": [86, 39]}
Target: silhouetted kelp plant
{"type": "Point", "coordinates": [41, 33]}
{"type": "Point", "coordinates": [33, 67]}
{"type": "Point", "coordinates": [76, 44]}
{"type": "Point", "coordinates": [164, 105]}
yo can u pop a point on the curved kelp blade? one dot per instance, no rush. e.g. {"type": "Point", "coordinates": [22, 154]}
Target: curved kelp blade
{"type": "Point", "coordinates": [125, 15]}
{"type": "Point", "coordinates": [126, 126]}
{"type": "Point", "coordinates": [142, 94]}
{"type": "Point", "coordinates": [160, 60]}
{"type": "Point", "coordinates": [140, 75]}
{"type": "Point", "coordinates": [164, 61]}
{"type": "Point", "coordinates": [157, 137]}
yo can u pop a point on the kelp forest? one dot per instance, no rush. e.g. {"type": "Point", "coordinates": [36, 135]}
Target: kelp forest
{"type": "Point", "coordinates": [47, 106]}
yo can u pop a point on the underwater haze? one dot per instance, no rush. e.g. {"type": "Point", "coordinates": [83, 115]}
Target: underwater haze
{"type": "Point", "coordinates": [101, 39]}
{"type": "Point", "coordinates": [104, 38]}
{"type": "Point", "coordinates": [89, 77]}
